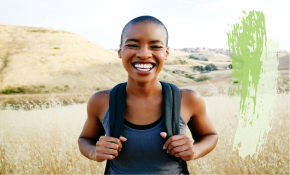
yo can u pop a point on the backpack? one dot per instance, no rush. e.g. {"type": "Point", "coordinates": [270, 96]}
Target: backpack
{"type": "Point", "coordinates": [171, 113]}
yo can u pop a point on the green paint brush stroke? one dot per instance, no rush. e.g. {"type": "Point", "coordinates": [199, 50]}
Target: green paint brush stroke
{"type": "Point", "coordinates": [246, 42]}
{"type": "Point", "coordinates": [255, 66]}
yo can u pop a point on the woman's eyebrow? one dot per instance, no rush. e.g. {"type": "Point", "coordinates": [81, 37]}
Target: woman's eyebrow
{"type": "Point", "coordinates": [138, 41]}
{"type": "Point", "coordinates": [155, 41]}
{"type": "Point", "coordinates": [132, 39]}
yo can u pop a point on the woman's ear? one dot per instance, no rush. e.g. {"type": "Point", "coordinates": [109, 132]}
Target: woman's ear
{"type": "Point", "coordinates": [119, 52]}
{"type": "Point", "coordinates": [167, 53]}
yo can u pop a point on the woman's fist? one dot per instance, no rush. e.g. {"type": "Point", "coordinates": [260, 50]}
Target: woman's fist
{"type": "Point", "coordinates": [179, 146]}
{"type": "Point", "coordinates": [107, 148]}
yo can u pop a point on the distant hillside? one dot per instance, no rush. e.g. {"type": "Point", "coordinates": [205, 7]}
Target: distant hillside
{"type": "Point", "coordinates": [33, 57]}
{"type": "Point", "coordinates": [203, 49]}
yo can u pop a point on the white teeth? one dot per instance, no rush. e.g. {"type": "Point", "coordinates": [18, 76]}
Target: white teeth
{"type": "Point", "coordinates": [144, 66]}
{"type": "Point", "coordinates": [143, 69]}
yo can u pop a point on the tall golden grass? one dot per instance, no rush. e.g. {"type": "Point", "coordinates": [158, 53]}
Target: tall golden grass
{"type": "Point", "coordinates": [43, 140]}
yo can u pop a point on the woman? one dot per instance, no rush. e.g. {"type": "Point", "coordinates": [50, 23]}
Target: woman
{"type": "Point", "coordinates": [143, 50]}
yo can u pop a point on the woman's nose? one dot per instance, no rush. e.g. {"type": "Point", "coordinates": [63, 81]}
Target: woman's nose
{"type": "Point", "coordinates": [144, 53]}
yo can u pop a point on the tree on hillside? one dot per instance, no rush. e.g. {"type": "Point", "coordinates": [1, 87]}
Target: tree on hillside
{"type": "Point", "coordinates": [210, 67]}
{"type": "Point", "coordinates": [198, 68]}
{"type": "Point", "coordinates": [230, 66]}
{"type": "Point", "coordinates": [193, 57]}
{"type": "Point", "coordinates": [182, 61]}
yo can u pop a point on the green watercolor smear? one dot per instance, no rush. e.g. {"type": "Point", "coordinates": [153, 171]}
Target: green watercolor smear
{"type": "Point", "coordinates": [247, 41]}
{"type": "Point", "coordinates": [254, 68]}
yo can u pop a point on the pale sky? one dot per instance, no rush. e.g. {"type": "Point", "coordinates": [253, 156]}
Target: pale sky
{"type": "Point", "coordinates": [190, 23]}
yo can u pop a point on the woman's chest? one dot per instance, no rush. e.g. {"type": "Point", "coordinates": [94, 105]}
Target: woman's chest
{"type": "Point", "coordinates": [146, 144]}
{"type": "Point", "coordinates": [145, 112]}
{"type": "Point", "coordinates": [143, 151]}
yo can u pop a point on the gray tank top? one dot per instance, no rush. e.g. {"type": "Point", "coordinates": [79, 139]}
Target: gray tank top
{"type": "Point", "coordinates": [142, 153]}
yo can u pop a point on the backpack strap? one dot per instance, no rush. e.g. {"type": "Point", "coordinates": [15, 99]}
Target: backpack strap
{"type": "Point", "coordinates": [117, 109]}
{"type": "Point", "coordinates": [116, 113]}
{"type": "Point", "coordinates": [171, 111]}
{"type": "Point", "coordinates": [171, 108]}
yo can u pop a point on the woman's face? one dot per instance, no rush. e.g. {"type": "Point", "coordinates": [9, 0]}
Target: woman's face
{"type": "Point", "coordinates": [144, 51]}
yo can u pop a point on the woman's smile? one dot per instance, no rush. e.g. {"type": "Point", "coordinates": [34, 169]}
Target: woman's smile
{"type": "Point", "coordinates": [143, 68]}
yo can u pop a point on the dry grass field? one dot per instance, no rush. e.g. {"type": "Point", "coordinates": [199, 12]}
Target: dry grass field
{"type": "Point", "coordinates": [43, 140]}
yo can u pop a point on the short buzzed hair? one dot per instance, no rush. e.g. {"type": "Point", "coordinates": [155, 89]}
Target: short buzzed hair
{"type": "Point", "coordinates": [144, 19]}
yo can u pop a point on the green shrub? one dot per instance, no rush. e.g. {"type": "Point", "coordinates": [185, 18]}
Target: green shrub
{"type": "Point", "coordinates": [7, 91]}
{"type": "Point", "coordinates": [39, 30]}
{"type": "Point", "coordinates": [210, 67]}
{"type": "Point", "coordinates": [202, 79]}
{"type": "Point", "coordinates": [198, 68]}
{"type": "Point", "coordinates": [20, 90]}
{"type": "Point", "coordinates": [13, 90]}
{"type": "Point", "coordinates": [189, 76]}
{"type": "Point", "coordinates": [183, 61]}
{"type": "Point", "coordinates": [177, 71]}
{"type": "Point", "coordinates": [193, 57]}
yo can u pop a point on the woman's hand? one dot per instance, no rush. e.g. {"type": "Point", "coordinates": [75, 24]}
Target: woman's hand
{"type": "Point", "coordinates": [179, 146]}
{"type": "Point", "coordinates": [107, 148]}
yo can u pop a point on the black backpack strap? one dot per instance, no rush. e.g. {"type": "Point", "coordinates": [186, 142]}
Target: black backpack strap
{"type": "Point", "coordinates": [108, 164]}
{"type": "Point", "coordinates": [167, 108]}
{"type": "Point", "coordinates": [117, 109]}
{"type": "Point", "coordinates": [176, 109]}
{"type": "Point", "coordinates": [184, 167]}
{"type": "Point", "coordinates": [171, 111]}
{"type": "Point", "coordinates": [116, 113]}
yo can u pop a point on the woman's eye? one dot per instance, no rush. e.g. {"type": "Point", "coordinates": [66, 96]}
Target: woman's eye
{"type": "Point", "coordinates": [154, 47]}
{"type": "Point", "coordinates": [132, 45]}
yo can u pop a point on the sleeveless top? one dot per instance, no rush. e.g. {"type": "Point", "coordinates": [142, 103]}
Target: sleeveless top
{"type": "Point", "coordinates": [143, 152]}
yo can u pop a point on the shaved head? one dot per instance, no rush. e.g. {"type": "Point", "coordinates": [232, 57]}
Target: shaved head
{"type": "Point", "coordinates": [143, 19]}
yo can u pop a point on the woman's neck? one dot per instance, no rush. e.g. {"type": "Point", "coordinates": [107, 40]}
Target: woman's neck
{"type": "Point", "coordinates": [143, 90]}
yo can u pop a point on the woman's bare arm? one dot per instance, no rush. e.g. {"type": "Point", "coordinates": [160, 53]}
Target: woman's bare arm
{"type": "Point", "coordinates": [201, 129]}
{"type": "Point", "coordinates": [92, 142]}
{"type": "Point", "coordinates": [200, 125]}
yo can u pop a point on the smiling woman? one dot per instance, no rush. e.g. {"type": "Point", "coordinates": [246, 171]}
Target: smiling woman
{"type": "Point", "coordinates": [145, 135]}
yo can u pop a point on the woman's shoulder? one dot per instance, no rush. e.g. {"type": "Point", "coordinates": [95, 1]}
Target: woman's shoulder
{"type": "Point", "coordinates": [190, 95]}
{"type": "Point", "coordinates": [191, 103]}
{"type": "Point", "coordinates": [100, 97]}
{"type": "Point", "coordinates": [99, 103]}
